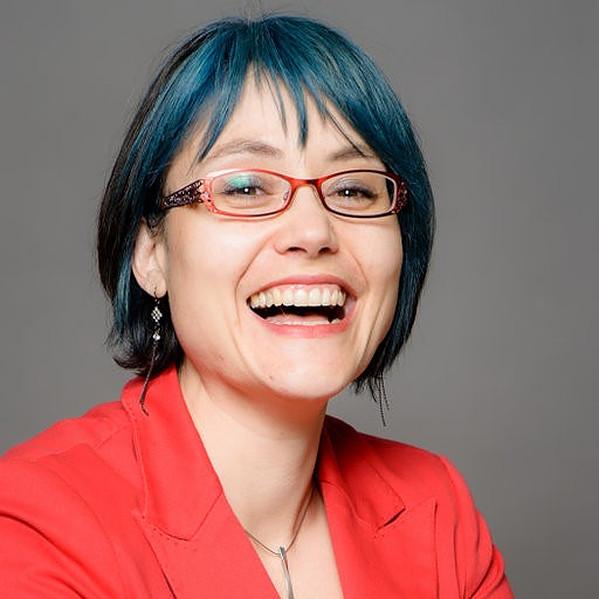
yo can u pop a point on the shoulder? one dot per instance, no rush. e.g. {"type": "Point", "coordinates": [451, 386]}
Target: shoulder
{"type": "Point", "coordinates": [414, 472]}
{"type": "Point", "coordinates": [465, 548]}
{"type": "Point", "coordinates": [57, 496]}
{"type": "Point", "coordinates": [99, 438]}
{"type": "Point", "coordinates": [89, 454]}
{"type": "Point", "coordinates": [93, 429]}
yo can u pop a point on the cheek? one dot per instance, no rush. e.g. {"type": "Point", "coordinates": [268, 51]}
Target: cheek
{"type": "Point", "coordinates": [383, 257]}
{"type": "Point", "coordinates": [204, 266]}
{"type": "Point", "coordinates": [206, 260]}
{"type": "Point", "coordinates": [204, 252]}
{"type": "Point", "coordinates": [382, 267]}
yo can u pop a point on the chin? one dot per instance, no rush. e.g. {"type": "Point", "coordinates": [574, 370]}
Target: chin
{"type": "Point", "coordinates": [309, 373]}
{"type": "Point", "coordinates": [308, 386]}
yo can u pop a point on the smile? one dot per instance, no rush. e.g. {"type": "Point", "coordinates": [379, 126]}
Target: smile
{"type": "Point", "coordinates": [300, 304]}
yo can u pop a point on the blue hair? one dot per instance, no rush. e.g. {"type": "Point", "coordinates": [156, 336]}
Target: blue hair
{"type": "Point", "coordinates": [201, 81]}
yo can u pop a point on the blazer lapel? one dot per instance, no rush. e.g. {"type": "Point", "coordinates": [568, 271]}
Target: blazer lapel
{"type": "Point", "coordinates": [195, 535]}
{"type": "Point", "coordinates": [218, 561]}
{"type": "Point", "coordinates": [382, 548]}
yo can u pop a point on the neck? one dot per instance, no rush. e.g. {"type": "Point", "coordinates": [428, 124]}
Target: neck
{"type": "Point", "coordinates": [263, 450]}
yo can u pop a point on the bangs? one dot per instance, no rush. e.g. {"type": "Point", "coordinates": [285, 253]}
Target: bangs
{"type": "Point", "coordinates": [290, 55]}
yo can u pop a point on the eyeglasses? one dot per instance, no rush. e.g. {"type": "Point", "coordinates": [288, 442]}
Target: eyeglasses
{"type": "Point", "coordinates": [248, 193]}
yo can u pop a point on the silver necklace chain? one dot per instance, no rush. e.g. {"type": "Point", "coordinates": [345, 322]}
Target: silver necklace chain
{"type": "Point", "coordinates": [281, 553]}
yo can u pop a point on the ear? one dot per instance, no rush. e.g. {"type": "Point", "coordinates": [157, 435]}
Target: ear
{"type": "Point", "coordinates": [148, 262]}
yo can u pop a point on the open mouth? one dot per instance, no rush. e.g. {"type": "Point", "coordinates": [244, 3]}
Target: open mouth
{"type": "Point", "coordinates": [298, 305]}
{"type": "Point", "coordinates": [317, 314]}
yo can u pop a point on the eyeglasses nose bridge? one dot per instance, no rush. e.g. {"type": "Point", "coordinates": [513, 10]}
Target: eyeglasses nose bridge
{"type": "Point", "coordinates": [294, 186]}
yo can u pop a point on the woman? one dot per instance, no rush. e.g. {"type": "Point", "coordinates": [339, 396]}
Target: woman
{"type": "Point", "coordinates": [263, 239]}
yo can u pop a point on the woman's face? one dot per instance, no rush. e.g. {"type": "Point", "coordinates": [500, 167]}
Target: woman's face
{"type": "Point", "coordinates": [212, 265]}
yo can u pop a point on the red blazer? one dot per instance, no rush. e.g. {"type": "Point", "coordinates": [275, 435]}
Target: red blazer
{"type": "Point", "coordinates": [119, 504]}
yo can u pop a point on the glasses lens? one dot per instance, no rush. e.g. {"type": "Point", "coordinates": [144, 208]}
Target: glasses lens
{"type": "Point", "coordinates": [359, 193]}
{"type": "Point", "coordinates": [249, 193]}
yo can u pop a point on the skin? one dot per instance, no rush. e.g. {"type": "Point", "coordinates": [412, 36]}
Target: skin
{"type": "Point", "coordinates": [266, 393]}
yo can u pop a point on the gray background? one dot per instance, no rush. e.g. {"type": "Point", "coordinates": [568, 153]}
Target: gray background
{"type": "Point", "coordinates": [501, 372]}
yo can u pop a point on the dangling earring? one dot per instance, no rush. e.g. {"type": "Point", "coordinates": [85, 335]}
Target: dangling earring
{"type": "Point", "coordinates": [386, 404]}
{"type": "Point", "coordinates": [156, 317]}
{"type": "Point", "coordinates": [379, 394]}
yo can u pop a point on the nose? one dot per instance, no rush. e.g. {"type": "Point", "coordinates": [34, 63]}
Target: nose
{"type": "Point", "coordinates": [306, 226]}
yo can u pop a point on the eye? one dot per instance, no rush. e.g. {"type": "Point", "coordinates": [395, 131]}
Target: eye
{"type": "Point", "coordinates": [352, 191]}
{"type": "Point", "coordinates": [242, 186]}
{"type": "Point", "coordinates": [358, 191]}
{"type": "Point", "coordinates": [346, 192]}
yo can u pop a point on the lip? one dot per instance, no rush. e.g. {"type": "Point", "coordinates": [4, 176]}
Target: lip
{"type": "Point", "coordinates": [317, 330]}
{"type": "Point", "coordinates": [310, 331]}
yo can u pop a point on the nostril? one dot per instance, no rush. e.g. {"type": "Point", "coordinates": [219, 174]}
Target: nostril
{"type": "Point", "coordinates": [309, 236]}
{"type": "Point", "coordinates": [322, 250]}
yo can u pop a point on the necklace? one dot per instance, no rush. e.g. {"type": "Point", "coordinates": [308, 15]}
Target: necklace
{"type": "Point", "coordinates": [281, 552]}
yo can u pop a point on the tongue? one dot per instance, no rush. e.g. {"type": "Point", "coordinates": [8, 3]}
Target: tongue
{"type": "Point", "coordinates": [296, 318]}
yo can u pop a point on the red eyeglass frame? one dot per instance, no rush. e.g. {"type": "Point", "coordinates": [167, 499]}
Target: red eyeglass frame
{"type": "Point", "coordinates": [200, 191]}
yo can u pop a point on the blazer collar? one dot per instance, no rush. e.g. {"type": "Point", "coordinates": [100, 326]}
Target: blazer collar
{"type": "Point", "coordinates": [181, 485]}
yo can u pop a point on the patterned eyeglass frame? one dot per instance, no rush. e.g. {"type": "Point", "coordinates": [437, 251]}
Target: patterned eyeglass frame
{"type": "Point", "coordinates": [200, 191]}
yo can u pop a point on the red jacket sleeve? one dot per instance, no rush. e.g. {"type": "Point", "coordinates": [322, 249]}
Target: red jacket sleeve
{"type": "Point", "coordinates": [479, 563]}
{"type": "Point", "coordinates": [51, 544]}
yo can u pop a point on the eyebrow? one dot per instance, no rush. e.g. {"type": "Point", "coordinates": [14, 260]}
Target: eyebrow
{"type": "Point", "coordinates": [259, 148]}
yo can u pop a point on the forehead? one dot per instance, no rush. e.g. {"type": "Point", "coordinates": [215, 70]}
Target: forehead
{"type": "Point", "coordinates": [266, 111]}
{"type": "Point", "coordinates": [270, 106]}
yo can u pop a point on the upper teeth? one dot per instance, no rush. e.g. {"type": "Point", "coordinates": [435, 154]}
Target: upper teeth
{"type": "Point", "coordinates": [331, 295]}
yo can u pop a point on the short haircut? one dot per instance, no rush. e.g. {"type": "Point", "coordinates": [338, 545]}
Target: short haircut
{"type": "Point", "coordinates": [201, 81]}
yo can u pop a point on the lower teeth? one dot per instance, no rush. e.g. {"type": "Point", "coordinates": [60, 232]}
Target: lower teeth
{"type": "Point", "coordinates": [308, 323]}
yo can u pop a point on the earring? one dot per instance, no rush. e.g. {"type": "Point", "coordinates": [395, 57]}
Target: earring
{"type": "Point", "coordinates": [156, 317]}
